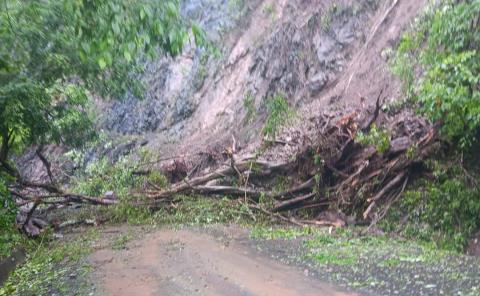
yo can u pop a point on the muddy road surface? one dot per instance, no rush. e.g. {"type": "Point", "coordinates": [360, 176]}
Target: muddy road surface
{"type": "Point", "coordinates": [186, 262]}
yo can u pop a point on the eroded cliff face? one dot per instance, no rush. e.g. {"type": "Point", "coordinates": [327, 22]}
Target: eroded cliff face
{"type": "Point", "coordinates": [316, 54]}
{"type": "Point", "coordinates": [172, 83]}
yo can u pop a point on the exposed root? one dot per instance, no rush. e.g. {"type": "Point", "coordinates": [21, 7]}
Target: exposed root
{"type": "Point", "coordinates": [349, 178]}
{"type": "Point", "coordinates": [352, 178]}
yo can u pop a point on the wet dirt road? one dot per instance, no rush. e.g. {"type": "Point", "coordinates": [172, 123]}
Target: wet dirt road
{"type": "Point", "coordinates": [186, 262]}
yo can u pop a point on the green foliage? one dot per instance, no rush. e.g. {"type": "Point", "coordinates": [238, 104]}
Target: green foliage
{"type": "Point", "coordinates": [158, 179]}
{"type": "Point", "coordinates": [235, 5]}
{"type": "Point", "coordinates": [200, 210]}
{"type": "Point", "coordinates": [55, 54]}
{"type": "Point", "coordinates": [52, 52]}
{"type": "Point", "coordinates": [7, 207]}
{"type": "Point", "coordinates": [269, 10]}
{"type": "Point", "coordinates": [343, 247]}
{"type": "Point", "coordinates": [48, 267]}
{"type": "Point", "coordinates": [269, 233]}
{"type": "Point", "coordinates": [445, 45]}
{"type": "Point", "coordinates": [378, 137]}
{"type": "Point", "coordinates": [10, 239]}
{"type": "Point", "coordinates": [249, 105]}
{"type": "Point", "coordinates": [279, 114]}
{"type": "Point", "coordinates": [103, 176]}
{"type": "Point", "coordinates": [445, 211]}
{"type": "Point", "coordinates": [121, 241]}
{"type": "Point", "coordinates": [266, 201]}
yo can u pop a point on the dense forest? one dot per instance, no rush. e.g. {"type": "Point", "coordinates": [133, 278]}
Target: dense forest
{"type": "Point", "coordinates": [353, 125]}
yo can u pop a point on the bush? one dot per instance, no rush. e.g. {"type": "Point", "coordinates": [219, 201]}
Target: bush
{"type": "Point", "coordinates": [7, 207]}
{"type": "Point", "coordinates": [445, 211]}
{"type": "Point", "coordinates": [378, 137]}
{"type": "Point", "coordinates": [103, 176]}
{"type": "Point", "coordinates": [444, 46]}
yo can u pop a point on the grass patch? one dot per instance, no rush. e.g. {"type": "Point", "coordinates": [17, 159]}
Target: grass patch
{"type": "Point", "coordinates": [249, 105]}
{"type": "Point", "coordinates": [269, 233]}
{"type": "Point", "coordinates": [52, 267]}
{"type": "Point", "coordinates": [279, 114]}
{"type": "Point", "coordinates": [346, 249]}
{"type": "Point", "coordinates": [270, 11]}
{"type": "Point", "coordinates": [343, 247]}
{"type": "Point", "coordinates": [120, 243]}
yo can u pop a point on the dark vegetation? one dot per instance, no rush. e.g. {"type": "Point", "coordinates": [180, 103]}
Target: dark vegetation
{"type": "Point", "coordinates": [421, 184]}
{"type": "Point", "coordinates": [443, 50]}
{"type": "Point", "coordinates": [55, 56]}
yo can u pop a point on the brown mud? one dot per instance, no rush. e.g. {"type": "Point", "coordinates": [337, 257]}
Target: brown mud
{"type": "Point", "coordinates": [186, 262]}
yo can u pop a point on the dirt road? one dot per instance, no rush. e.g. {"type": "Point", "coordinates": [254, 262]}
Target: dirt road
{"type": "Point", "coordinates": [186, 262]}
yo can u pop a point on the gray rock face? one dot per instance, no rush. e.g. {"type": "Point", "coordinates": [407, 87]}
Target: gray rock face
{"type": "Point", "coordinates": [171, 83]}
{"type": "Point", "coordinates": [299, 60]}
{"type": "Point", "coordinates": [317, 82]}
{"type": "Point", "coordinates": [298, 56]}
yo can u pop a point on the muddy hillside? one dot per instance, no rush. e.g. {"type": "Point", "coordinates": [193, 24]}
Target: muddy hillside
{"type": "Point", "coordinates": [318, 55]}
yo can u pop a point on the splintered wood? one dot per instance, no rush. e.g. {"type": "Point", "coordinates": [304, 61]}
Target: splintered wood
{"type": "Point", "coordinates": [350, 178]}
{"type": "Point", "coordinates": [329, 171]}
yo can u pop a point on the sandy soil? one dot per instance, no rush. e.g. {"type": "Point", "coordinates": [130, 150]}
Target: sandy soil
{"type": "Point", "coordinates": [186, 262]}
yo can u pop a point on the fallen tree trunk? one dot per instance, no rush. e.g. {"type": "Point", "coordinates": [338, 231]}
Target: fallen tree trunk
{"type": "Point", "coordinates": [351, 178]}
{"type": "Point", "coordinates": [356, 178]}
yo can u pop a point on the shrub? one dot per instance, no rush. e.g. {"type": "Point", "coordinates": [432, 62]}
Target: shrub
{"type": "Point", "coordinates": [279, 113]}
{"type": "Point", "coordinates": [102, 176]}
{"type": "Point", "coordinates": [445, 46]}
{"type": "Point", "coordinates": [379, 137]}
{"type": "Point", "coordinates": [445, 211]}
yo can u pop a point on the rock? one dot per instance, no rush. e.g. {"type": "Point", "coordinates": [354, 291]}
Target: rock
{"type": "Point", "coordinates": [317, 82]}
{"type": "Point", "coordinates": [110, 195]}
{"type": "Point", "coordinates": [473, 248]}
{"type": "Point", "coordinates": [9, 264]}
{"type": "Point", "coordinates": [172, 83]}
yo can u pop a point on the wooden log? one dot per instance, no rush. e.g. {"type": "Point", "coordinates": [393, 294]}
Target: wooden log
{"type": "Point", "coordinates": [288, 203]}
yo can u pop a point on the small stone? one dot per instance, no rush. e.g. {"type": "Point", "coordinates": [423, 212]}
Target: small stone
{"type": "Point", "coordinates": [110, 195]}
{"type": "Point", "coordinates": [57, 236]}
{"type": "Point", "coordinates": [317, 82]}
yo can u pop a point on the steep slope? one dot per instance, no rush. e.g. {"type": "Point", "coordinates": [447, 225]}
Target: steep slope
{"type": "Point", "coordinates": [318, 54]}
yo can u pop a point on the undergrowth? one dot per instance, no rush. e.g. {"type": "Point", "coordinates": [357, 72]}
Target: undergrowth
{"type": "Point", "coordinates": [200, 210]}
{"type": "Point", "coordinates": [439, 65]}
{"type": "Point", "coordinates": [442, 50]}
{"type": "Point", "coordinates": [103, 176]}
{"type": "Point", "coordinates": [444, 210]}
{"type": "Point", "coordinates": [343, 247]}
{"type": "Point", "coordinates": [378, 137]}
{"type": "Point", "coordinates": [279, 113]}
{"type": "Point", "coordinates": [51, 267]}
{"type": "Point", "coordinates": [249, 105]}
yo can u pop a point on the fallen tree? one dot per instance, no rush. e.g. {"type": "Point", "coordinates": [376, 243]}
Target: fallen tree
{"type": "Point", "coordinates": [332, 172]}
{"type": "Point", "coordinates": [350, 177]}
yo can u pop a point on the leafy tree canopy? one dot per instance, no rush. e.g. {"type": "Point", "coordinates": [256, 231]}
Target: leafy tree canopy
{"type": "Point", "coordinates": [54, 54]}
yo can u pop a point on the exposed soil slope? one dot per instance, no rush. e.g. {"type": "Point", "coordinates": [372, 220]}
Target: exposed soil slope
{"type": "Point", "coordinates": [319, 54]}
